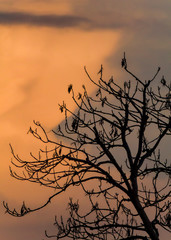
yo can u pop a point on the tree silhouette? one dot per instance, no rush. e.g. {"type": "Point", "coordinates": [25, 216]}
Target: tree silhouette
{"type": "Point", "coordinates": [109, 148]}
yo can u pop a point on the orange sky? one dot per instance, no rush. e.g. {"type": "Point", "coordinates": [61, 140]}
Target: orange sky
{"type": "Point", "coordinates": [36, 66]}
{"type": "Point", "coordinates": [38, 61]}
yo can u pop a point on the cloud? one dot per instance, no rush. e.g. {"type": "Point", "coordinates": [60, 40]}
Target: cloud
{"type": "Point", "coordinates": [13, 18]}
{"type": "Point", "coordinates": [147, 17]}
{"type": "Point", "coordinates": [145, 30]}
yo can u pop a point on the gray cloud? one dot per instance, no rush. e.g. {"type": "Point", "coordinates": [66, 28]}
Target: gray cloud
{"type": "Point", "coordinates": [145, 27]}
{"type": "Point", "coordinates": [12, 18]}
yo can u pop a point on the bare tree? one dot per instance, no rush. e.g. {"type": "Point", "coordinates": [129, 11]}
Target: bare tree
{"type": "Point", "coordinates": [110, 141]}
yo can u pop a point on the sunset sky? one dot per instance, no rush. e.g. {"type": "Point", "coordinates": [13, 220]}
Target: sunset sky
{"type": "Point", "coordinates": [44, 46]}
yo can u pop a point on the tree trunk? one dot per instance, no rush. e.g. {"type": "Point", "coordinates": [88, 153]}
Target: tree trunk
{"type": "Point", "coordinates": [150, 229]}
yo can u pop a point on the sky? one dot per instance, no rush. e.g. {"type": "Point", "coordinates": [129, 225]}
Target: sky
{"type": "Point", "coordinates": [44, 46]}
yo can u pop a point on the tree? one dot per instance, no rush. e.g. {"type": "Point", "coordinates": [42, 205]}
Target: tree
{"type": "Point", "coordinates": [110, 141]}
